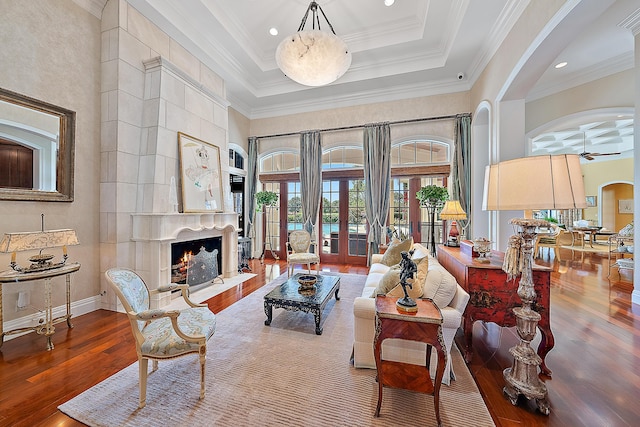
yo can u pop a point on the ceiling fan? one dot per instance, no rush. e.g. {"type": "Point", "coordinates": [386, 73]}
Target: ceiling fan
{"type": "Point", "coordinates": [590, 156]}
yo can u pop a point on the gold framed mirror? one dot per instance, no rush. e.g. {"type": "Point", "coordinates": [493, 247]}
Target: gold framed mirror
{"type": "Point", "coordinates": [36, 149]}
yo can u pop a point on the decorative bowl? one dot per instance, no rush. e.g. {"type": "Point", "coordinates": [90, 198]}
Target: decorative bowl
{"type": "Point", "coordinates": [483, 247]}
{"type": "Point", "coordinates": [307, 282]}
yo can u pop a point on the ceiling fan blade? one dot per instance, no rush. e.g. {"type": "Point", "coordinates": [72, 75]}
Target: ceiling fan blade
{"type": "Point", "coordinates": [604, 154]}
{"type": "Point", "coordinates": [586, 155]}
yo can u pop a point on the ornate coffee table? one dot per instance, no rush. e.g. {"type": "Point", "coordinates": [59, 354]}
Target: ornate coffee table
{"type": "Point", "coordinates": [288, 296]}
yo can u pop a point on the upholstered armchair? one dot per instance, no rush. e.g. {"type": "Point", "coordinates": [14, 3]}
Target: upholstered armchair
{"type": "Point", "coordinates": [298, 251]}
{"type": "Point", "coordinates": [162, 334]}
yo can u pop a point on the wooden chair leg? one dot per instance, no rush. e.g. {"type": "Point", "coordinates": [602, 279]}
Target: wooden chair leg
{"type": "Point", "coordinates": [203, 358]}
{"type": "Point", "coordinates": [143, 365]}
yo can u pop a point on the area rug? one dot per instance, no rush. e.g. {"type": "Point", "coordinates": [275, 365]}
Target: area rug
{"type": "Point", "coordinates": [278, 375]}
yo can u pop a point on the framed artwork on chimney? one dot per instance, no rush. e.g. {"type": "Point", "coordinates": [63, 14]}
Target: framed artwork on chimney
{"type": "Point", "coordinates": [200, 175]}
{"type": "Point", "coordinates": [592, 201]}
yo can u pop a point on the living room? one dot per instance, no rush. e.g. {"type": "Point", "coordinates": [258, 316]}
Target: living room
{"type": "Point", "coordinates": [102, 58]}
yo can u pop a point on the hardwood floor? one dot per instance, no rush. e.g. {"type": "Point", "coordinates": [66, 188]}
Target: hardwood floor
{"type": "Point", "coordinates": [595, 378]}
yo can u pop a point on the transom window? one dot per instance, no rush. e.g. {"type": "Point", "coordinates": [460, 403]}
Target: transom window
{"type": "Point", "coordinates": [344, 157]}
{"type": "Point", "coordinates": [281, 161]}
{"type": "Point", "coordinates": [420, 152]}
{"type": "Point", "coordinates": [413, 152]}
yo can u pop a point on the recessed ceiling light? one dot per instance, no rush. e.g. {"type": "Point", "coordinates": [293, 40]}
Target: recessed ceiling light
{"type": "Point", "coordinates": [561, 64]}
{"type": "Point", "coordinates": [389, 2]}
{"type": "Point", "coordinates": [273, 31]}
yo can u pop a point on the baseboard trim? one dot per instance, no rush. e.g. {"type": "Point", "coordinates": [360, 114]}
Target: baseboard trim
{"type": "Point", "coordinates": [78, 308]}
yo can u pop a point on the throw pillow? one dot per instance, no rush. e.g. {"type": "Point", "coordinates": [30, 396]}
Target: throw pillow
{"type": "Point", "coordinates": [440, 285]}
{"type": "Point", "coordinates": [388, 281]}
{"type": "Point", "coordinates": [421, 258]}
{"type": "Point", "coordinates": [392, 255]}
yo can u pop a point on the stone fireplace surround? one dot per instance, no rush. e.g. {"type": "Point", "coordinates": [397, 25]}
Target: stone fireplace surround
{"type": "Point", "coordinates": [153, 235]}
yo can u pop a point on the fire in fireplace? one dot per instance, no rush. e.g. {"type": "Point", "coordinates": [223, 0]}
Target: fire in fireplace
{"type": "Point", "coordinates": [196, 261]}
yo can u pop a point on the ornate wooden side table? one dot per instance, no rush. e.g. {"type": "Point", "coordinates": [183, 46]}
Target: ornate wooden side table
{"type": "Point", "coordinates": [425, 325]}
{"type": "Point", "coordinates": [45, 327]}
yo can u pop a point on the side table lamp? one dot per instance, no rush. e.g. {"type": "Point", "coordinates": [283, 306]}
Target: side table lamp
{"type": "Point", "coordinates": [453, 211]}
{"type": "Point", "coordinates": [539, 182]}
{"type": "Point", "coordinates": [38, 241]}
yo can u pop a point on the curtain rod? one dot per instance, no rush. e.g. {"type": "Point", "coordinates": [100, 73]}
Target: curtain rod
{"type": "Point", "coordinates": [423, 119]}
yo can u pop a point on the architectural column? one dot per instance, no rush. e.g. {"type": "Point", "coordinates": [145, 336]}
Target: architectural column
{"type": "Point", "coordinates": [509, 144]}
{"type": "Point", "coordinates": [633, 23]}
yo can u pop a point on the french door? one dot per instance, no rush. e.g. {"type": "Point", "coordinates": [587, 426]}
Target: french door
{"type": "Point", "coordinates": [343, 222]}
{"type": "Point", "coordinates": [405, 213]}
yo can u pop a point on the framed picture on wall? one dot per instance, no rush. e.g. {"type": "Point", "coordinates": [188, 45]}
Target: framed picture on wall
{"type": "Point", "coordinates": [592, 201]}
{"type": "Point", "coordinates": [625, 206]}
{"type": "Point", "coordinates": [200, 175]}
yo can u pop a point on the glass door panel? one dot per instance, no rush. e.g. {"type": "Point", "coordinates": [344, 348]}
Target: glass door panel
{"type": "Point", "coordinates": [271, 222]}
{"type": "Point", "coordinates": [357, 236]}
{"type": "Point", "coordinates": [330, 217]}
{"type": "Point", "coordinates": [399, 207]}
{"type": "Point", "coordinates": [343, 222]}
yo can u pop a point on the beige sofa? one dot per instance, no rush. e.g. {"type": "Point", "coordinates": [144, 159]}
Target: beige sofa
{"type": "Point", "coordinates": [437, 280]}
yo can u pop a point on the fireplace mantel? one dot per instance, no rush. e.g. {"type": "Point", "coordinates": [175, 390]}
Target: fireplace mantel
{"type": "Point", "coordinates": [154, 233]}
{"type": "Point", "coordinates": [167, 226]}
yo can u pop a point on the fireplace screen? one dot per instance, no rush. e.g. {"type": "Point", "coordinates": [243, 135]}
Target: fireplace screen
{"type": "Point", "coordinates": [196, 262]}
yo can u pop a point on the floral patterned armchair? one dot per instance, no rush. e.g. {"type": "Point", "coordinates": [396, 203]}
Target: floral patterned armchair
{"type": "Point", "coordinates": [162, 334]}
{"type": "Point", "coordinates": [298, 251]}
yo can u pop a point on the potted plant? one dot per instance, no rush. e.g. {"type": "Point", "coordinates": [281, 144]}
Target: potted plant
{"type": "Point", "coordinates": [432, 197]}
{"type": "Point", "coordinates": [265, 198]}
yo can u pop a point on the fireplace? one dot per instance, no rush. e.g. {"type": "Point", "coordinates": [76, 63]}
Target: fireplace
{"type": "Point", "coordinates": [155, 234]}
{"type": "Point", "coordinates": [196, 262]}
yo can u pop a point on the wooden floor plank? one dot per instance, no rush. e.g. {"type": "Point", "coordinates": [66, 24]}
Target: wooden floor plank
{"type": "Point", "coordinates": [595, 379]}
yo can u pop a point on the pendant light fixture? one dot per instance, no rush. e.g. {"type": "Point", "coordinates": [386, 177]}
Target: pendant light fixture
{"type": "Point", "coordinates": [313, 57]}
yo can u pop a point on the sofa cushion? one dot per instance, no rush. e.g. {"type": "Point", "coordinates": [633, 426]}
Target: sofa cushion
{"type": "Point", "coordinates": [392, 255]}
{"type": "Point", "coordinates": [440, 285]}
{"type": "Point", "coordinates": [378, 268]}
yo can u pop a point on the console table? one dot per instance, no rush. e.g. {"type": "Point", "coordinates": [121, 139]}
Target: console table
{"type": "Point", "coordinates": [45, 327]}
{"type": "Point", "coordinates": [493, 297]}
{"type": "Point", "coordinates": [425, 325]}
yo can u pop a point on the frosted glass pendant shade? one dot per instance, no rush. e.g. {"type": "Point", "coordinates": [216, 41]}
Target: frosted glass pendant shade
{"type": "Point", "coordinates": [313, 58]}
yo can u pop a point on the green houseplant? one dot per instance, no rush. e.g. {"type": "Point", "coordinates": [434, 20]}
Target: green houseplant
{"type": "Point", "coordinates": [265, 198]}
{"type": "Point", "coordinates": [432, 197]}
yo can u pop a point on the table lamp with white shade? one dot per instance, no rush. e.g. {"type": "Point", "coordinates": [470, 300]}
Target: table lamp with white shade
{"type": "Point", "coordinates": [539, 182]}
{"type": "Point", "coordinates": [38, 241]}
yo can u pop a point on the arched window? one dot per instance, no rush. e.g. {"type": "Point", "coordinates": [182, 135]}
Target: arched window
{"type": "Point", "coordinates": [420, 152]}
{"type": "Point", "coordinates": [280, 161]}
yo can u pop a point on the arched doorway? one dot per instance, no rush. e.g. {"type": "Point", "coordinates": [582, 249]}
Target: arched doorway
{"type": "Point", "coordinates": [615, 214]}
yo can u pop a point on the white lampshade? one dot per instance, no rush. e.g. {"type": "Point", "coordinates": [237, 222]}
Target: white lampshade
{"type": "Point", "coordinates": [538, 182]}
{"type": "Point", "coordinates": [36, 240]}
{"type": "Point", "coordinates": [313, 58]}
